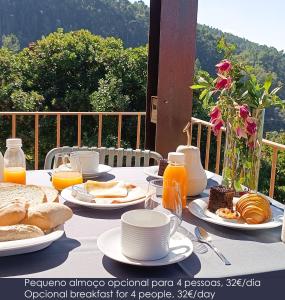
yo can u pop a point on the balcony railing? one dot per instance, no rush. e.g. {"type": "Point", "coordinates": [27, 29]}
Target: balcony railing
{"type": "Point", "coordinates": [203, 124]}
{"type": "Point", "coordinates": [199, 124]}
{"type": "Point", "coordinates": [100, 115]}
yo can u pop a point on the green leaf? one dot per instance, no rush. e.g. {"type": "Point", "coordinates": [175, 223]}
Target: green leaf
{"type": "Point", "coordinates": [203, 94]}
{"type": "Point", "coordinates": [267, 83]}
{"type": "Point", "coordinates": [197, 86]}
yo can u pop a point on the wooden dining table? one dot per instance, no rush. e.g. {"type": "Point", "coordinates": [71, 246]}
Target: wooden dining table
{"type": "Point", "coordinates": [76, 253]}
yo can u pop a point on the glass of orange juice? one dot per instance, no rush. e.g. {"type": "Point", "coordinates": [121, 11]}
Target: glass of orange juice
{"type": "Point", "coordinates": [154, 199]}
{"type": "Point", "coordinates": [65, 175]}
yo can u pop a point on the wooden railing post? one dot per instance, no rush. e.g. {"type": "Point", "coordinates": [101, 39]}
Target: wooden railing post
{"type": "Point", "coordinates": [138, 131]}
{"type": "Point", "coordinates": [199, 135]}
{"type": "Point", "coordinates": [14, 125]}
{"type": "Point", "coordinates": [36, 141]}
{"type": "Point", "coordinates": [58, 130]}
{"type": "Point", "coordinates": [79, 130]}
{"type": "Point", "coordinates": [119, 131]}
{"type": "Point", "coordinates": [208, 145]}
{"type": "Point", "coordinates": [100, 130]}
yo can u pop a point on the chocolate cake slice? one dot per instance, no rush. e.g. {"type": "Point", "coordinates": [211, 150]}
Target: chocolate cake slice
{"type": "Point", "coordinates": [163, 163]}
{"type": "Point", "coordinates": [220, 197]}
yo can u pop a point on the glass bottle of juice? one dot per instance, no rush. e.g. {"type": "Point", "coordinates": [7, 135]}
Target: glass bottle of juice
{"type": "Point", "coordinates": [175, 173]}
{"type": "Point", "coordinates": [14, 162]}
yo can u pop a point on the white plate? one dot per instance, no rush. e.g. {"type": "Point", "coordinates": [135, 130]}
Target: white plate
{"type": "Point", "coordinates": [101, 170]}
{"type": "Point", "coordinates": [30, 245]}
{"type": "Point", "coordinates": [199, 208]}
{"type": "Point", "coordinates": [66, 194]}
{"type": "Point", "coordinates": [109, 243]}
{"type": "Point", "coordinates": [153, 172]}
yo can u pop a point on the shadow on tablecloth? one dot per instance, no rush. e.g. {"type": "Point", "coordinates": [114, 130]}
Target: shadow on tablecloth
{"type": "Point", "coordinates": [111, 214]}
{"type": "Point", "coordinates": [187, 268]}
{"type": "Point", "coordinates": [39, 261]}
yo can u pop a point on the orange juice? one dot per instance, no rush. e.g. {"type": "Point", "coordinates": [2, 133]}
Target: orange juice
{"type": "Point", "coordinates": [174, 173]}
{"type": "Point", "coordinates": [62, 180]}
{"type": "Point", "coordinates": [15, 175]}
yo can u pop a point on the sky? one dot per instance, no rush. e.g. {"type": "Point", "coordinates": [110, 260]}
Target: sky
{"type": "Point", "coordinates": [260, 21]}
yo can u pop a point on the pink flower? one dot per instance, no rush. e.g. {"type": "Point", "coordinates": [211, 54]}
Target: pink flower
{"type": "Point", "coordinates": [223, 83]}
{"type": "Point", "coordinates": [244, 111]}
{"type": "Point", "coordinates": [215, 114]}
{"type": "Point", "coordinates": [251, 126]}
{"type": "Point", "coordinates": [218, 124]}
{"type": "Point", "coordinates": [241, 133]}
{"type": "Point", "coordinates": [224, 66]}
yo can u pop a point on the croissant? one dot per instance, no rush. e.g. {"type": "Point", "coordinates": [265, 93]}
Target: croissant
{"type": "Point", "coordinates": [254, 208]}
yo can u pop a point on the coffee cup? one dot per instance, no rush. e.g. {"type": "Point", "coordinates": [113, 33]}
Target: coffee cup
{"type": "Point", "coordinates": [89, 161]}
{"type": "Point", "coordinates": [145, 234]}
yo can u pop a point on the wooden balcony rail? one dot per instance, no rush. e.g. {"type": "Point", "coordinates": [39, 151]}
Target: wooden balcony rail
{"type": "Point", "coordinates": [275, 147]}
{"type": "Point", "coordinates": [79, 115]}
{"type": "Point", "coordinates": [119, 115]}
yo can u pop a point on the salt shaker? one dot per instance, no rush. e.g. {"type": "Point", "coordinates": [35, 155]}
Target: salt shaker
{"type": "Point", "coordinates": [283, 230]}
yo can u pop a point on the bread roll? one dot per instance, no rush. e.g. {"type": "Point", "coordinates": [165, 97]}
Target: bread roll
{"type": "Point", "coordinates": [13, 212]}
{"type": "Point", "coordinates": [19, 232]}
{"type": "Point", "coordinates": [47, 215]}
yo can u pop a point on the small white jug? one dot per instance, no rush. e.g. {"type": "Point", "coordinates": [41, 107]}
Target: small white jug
{"type": "Point", "coordinates": [197, 178]}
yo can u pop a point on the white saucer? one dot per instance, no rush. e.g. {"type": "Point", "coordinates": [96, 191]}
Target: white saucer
{"type": "Point", "coordinates": [101, 170]}
{"type": "Point", "coordinates": [109, 243]}
{"type": "Point", "coordinates": [153, 172]}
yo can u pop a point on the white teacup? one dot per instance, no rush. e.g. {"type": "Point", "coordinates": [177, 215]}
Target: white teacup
{"type": "Point", "coordinates": [145, 234]}
{"type": "Point", "coordinates": [89, 161]}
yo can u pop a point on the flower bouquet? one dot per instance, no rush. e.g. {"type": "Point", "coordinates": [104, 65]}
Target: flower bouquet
{"type": "Point", "coordinates": [240, 101]}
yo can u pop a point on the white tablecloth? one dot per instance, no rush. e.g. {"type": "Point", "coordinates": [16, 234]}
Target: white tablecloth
{"type": "Point", "coordinates": [76, 254]}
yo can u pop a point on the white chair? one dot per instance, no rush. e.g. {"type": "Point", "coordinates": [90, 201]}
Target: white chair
{"type": "Point", "coordinates": [114, 157]}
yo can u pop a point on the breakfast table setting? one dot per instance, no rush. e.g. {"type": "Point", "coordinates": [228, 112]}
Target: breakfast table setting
{"type": "Point", "coordinates": [77, 252]}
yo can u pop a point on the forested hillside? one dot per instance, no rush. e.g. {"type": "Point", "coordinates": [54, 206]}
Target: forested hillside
{"type": "Point", "coordinates": [30, 19]}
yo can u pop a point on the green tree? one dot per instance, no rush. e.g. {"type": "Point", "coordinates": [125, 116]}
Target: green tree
{"type": "Point", "coordinates": [11, 42]}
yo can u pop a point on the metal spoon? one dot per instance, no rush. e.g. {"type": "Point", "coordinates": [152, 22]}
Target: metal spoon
{"type": "Point", "coordinates": [204, 237]}
{"type": "Point", "coordinates": [198, 247]}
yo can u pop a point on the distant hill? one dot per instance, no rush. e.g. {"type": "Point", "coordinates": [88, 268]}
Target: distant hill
{"type": "Point", "coordinates": [29, 20]}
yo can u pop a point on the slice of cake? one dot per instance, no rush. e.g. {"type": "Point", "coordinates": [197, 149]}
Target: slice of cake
{"type": "Point", "coordinates": [220, 197]}
{"type": "Point", "coordinates": [163, 163]}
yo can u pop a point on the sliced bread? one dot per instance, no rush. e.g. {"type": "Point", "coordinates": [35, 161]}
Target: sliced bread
{"type": "Point", "coordinates": [33, 194]}
{"type": "Point", "coordinates": [51, 193]}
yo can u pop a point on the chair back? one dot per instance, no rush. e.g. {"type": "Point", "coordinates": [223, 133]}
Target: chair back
{"type": "Point", "coordinates": [114, 157]}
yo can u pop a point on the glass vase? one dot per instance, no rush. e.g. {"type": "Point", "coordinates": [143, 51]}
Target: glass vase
{"type": "Point", "coordinates": [242, 155]}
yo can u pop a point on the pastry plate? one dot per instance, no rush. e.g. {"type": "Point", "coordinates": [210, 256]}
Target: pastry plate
{"type": "Point", "coordinates": [153, 172]}
{"type": "Point", "coordinates": [199, 208]}
{"type": "Point", "coordinates": [109, 243]}
{"type": "Point", "coordinates": [66, 194]}
{"type": "Point", "coordinates": [30, 245]}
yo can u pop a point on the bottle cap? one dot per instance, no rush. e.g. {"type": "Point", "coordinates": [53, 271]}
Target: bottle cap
{"type": "Point", "coordinates": [176, 157]}
{"type": "Point", "coordinates": [12, 143]}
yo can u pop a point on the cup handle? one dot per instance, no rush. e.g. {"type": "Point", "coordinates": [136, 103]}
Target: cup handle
{"type": "Point", "coordinates": [174, 224]}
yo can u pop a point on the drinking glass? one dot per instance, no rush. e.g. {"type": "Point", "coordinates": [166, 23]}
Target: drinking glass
{"type": "Point", "coordinates": [65, 175]}
{"type": "Point", "coordinates": [154, 199]}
